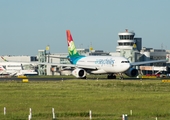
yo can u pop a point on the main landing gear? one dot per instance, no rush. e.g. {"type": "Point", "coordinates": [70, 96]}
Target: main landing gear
{"type": "Point", "coordinates": [120, 76]}
{"type": "Point", "coordinates": [111, 76]}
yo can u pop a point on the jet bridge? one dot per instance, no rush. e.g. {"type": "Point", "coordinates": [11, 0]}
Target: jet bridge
{"type": "Point", "coordinates": [42, 58]}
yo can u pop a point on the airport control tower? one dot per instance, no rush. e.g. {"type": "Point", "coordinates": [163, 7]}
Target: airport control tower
{"type": "Point", "coordinates": [128, 46]}
{"type": "Point", "coordinates": [126, 40]}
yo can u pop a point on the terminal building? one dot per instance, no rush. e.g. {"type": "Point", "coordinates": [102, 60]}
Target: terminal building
{"type": "Point", "coordinates": [24, 58]}
{"type": "Point", "coordinates": [128, 46]}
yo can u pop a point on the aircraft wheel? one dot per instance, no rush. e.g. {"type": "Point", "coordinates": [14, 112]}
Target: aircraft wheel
{"type": "Point", "coordinates": [111, 76]}
{"type": "Point", "coordinates": [84, 77]}
{"type": "Point", "coordinates": [114, 77]}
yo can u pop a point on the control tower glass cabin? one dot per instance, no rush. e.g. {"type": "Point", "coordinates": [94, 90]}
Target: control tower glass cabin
{"type": "Point", "coordinates": [126, 41]}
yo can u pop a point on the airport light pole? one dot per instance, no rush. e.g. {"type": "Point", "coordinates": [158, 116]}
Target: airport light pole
{"type": "Point", "coordinates": [48, 49]}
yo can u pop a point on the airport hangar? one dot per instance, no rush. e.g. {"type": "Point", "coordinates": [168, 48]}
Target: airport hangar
{"type": "Point", "coordinates": [129, 46]}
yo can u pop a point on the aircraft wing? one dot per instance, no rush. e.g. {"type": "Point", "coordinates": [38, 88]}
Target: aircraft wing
{"type": "Point", "coordinates": [87, 67]}
{"type": "Point", "coordinates": [71, 65]}
{"type": "Point", "coordinates": [58, 64]}
{"type": "Point", "coordinates": [147, 62]}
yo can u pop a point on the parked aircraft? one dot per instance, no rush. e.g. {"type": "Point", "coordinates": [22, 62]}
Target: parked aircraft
{"type": "Point", "coordinates": [3, 71]}
{"type": "Point", "coordinates": [16, 69]}
{"type": "Point", "coordinates": [100, 64]}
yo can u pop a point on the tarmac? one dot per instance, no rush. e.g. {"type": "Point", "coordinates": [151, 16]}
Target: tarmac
{"type": "Point", "coordinates": [32, 79]}
{"type": "Point", "coordinates": [65, 78]}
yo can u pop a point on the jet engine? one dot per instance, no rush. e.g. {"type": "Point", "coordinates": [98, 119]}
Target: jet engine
{"type": "Point", "coordinates": [79, 73]}
{"type": "Point", "coordinates": [132, 72]}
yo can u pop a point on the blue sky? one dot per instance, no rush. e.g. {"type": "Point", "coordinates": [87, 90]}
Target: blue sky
{"type": "Point", "coordinates": [29, 25]}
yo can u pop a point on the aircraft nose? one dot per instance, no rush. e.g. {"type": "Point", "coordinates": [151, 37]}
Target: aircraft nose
{"type": "Point", "coordinates": [127, 66]}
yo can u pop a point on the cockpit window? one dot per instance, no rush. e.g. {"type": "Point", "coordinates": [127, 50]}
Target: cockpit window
{"type": "Point", "coordinates": [124, 61]}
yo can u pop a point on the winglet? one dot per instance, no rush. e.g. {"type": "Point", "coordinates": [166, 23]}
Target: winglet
{"type": "Point", "coordinates": [4, 59]}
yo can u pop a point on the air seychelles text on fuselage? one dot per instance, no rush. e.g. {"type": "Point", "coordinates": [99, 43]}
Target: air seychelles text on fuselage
{"type": "Point", "coordinates": [104, 61]}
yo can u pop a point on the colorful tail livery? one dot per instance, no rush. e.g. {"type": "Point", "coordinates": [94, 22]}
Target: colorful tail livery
{"type": "Point", "coordinates": [71, 47]}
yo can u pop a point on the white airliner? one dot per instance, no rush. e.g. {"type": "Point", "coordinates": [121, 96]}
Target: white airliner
{"type": "Point", "coordinates": [16, 69]}
{"type": "Point", "coordinates": [100, 64]}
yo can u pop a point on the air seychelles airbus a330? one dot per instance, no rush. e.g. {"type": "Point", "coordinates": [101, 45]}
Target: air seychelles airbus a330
{"type": "Point", "coordinates": [100, 64]}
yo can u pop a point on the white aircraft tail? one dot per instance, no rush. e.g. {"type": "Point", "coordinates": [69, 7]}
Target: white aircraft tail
{"type": "Point", "coordinates": [3, 71]}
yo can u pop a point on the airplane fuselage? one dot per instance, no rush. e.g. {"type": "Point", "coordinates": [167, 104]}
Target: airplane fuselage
{"type": "Point", "coordinates": [104, 64]}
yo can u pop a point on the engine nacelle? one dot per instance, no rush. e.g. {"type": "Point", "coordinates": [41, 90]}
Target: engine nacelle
{"type": "Point", "coordinates": [132, 72]}
{"type": "Point", "coordinates": [79, 73]}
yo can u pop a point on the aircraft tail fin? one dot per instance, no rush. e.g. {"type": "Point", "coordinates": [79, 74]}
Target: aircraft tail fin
{"type": "Point", "coordinates": [2, 68]}
{"type": "Point", "coordinates": [71, 47]}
